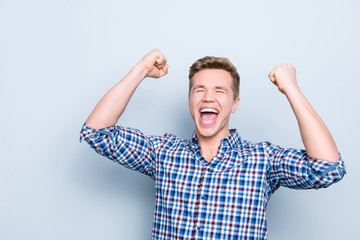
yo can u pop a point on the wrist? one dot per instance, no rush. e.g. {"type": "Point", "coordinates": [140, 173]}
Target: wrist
{"type": "Point", "coordinates": [292, 90]}
{"type": "Point", "coordinates": [140, 71]}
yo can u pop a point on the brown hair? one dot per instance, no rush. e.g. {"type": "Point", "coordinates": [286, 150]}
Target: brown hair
{"type": "Point", "coordinates": [216, 63]}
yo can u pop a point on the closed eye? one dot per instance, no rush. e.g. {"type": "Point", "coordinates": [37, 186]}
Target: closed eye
{"type": "Point", "coordinates": [220, 89]}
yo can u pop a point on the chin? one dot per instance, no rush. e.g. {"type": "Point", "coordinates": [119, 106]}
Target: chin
{"type": "Point", "coordinates": [207, 132]}
{"type": "Point", "coordinates": [215, 130]}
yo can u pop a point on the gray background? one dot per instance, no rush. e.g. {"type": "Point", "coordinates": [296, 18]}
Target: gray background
{"type": "Point", "coordinates": [58, 58]}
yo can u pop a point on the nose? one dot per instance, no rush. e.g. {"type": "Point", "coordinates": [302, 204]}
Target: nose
{"type": "Point", "coordinates": [208, 96]}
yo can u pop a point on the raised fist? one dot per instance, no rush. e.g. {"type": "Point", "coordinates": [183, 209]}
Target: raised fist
{"type": "Point", "coordinates": [155, 64]}
{"type": "Point", "coordinates": [284, 77]}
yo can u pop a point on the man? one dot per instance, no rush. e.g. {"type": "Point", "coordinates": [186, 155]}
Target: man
{"type": "Point", "coordinates": [215, 185]}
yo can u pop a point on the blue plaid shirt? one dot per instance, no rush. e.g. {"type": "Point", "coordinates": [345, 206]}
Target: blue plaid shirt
{"type": "Point", "coordinates": [223, 199]}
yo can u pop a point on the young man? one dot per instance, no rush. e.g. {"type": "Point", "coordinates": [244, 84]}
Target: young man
{"type": "Point", "coordinates": [215, 185]}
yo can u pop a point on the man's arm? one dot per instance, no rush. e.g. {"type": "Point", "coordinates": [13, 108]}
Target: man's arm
{"type": "Point", "coordinates": [109, 109]}
{"type": "Point", "coordinates": [316, 137]}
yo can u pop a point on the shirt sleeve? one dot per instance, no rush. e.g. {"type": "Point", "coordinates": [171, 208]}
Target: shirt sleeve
{"type": "Point", "coordinates": [126, 146]}
{"type": "Point", "coordinates": [293, 168]}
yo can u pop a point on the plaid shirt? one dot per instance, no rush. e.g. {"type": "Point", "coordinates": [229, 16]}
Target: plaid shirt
{"type": "Point", "coordinates": [223, 199]}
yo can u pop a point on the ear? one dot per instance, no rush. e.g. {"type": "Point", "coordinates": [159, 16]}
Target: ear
{"type": "Point", "coordinates": [235, 105]}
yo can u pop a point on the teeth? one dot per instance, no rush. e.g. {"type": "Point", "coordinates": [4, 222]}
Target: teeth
{"type": "Point", "coordinates": [208, 110]}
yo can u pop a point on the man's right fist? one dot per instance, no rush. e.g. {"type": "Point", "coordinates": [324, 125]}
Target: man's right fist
{"type": "Point", "coordinates": [155, 64]}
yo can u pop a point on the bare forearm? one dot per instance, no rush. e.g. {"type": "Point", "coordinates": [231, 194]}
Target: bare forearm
{"type": "Point", "coordinates": [109, 109]}
{"type": "Point", "coordinates": [315, 135]}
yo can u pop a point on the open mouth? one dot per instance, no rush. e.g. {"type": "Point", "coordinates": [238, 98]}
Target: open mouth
{"type": "Point", "coordinates": [208, 116]}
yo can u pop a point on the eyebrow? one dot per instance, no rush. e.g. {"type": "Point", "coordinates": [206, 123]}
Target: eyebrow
{"type": "Point", "coordinates": [202, 86]}
{"type": "Point", "coordinates": [221, 88]}
{"type": "Point", "coordinates": [198, 86]}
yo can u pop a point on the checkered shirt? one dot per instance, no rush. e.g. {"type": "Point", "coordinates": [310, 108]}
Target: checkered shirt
{"type": "Point", "coordinates": [223, 199]}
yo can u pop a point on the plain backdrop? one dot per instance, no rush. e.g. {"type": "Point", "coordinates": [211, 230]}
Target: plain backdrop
{"type": "Point", "coordinates": [58, 58]}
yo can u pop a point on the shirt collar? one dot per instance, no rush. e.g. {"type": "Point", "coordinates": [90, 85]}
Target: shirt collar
{"type": "Point", "coordinates": [233, 140]}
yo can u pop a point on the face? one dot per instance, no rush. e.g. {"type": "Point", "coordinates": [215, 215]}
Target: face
{"type": "Point", "coordinates": [211, 101]}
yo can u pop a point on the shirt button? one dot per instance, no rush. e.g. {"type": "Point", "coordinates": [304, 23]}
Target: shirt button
{"type": "Point", "coordinates": [198, 227]}
{"type": "Point", "coordinates": [202, 197]}
{"type": "Point", "coordinates": [208, 169]}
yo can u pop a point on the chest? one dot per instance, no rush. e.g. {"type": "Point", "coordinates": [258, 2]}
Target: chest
{"type": "Point", "coordinates": [230, 176]}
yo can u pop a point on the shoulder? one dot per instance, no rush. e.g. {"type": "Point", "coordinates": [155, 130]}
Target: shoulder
{"type": "Point", "coordinates": [246, 145]}
{"type": "Point", "coordinates": [168, 140]}
{"type": "Point", "coordinates": [237, 142]}
{"type": "Point", "coordinates": [256, 151]}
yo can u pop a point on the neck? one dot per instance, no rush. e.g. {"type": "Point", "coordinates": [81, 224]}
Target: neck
{"type": "Point", "coordinates": [209, 146]}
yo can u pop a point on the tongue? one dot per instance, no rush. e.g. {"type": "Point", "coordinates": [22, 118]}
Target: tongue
{"type": "Point", "coordinates": [208, 116]}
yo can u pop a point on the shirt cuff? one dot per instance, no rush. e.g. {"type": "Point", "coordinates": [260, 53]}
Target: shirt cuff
{"type": "Point", "coordinates": [328, 169]}
{"type": "Point", "coordinates": [91, 135]}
